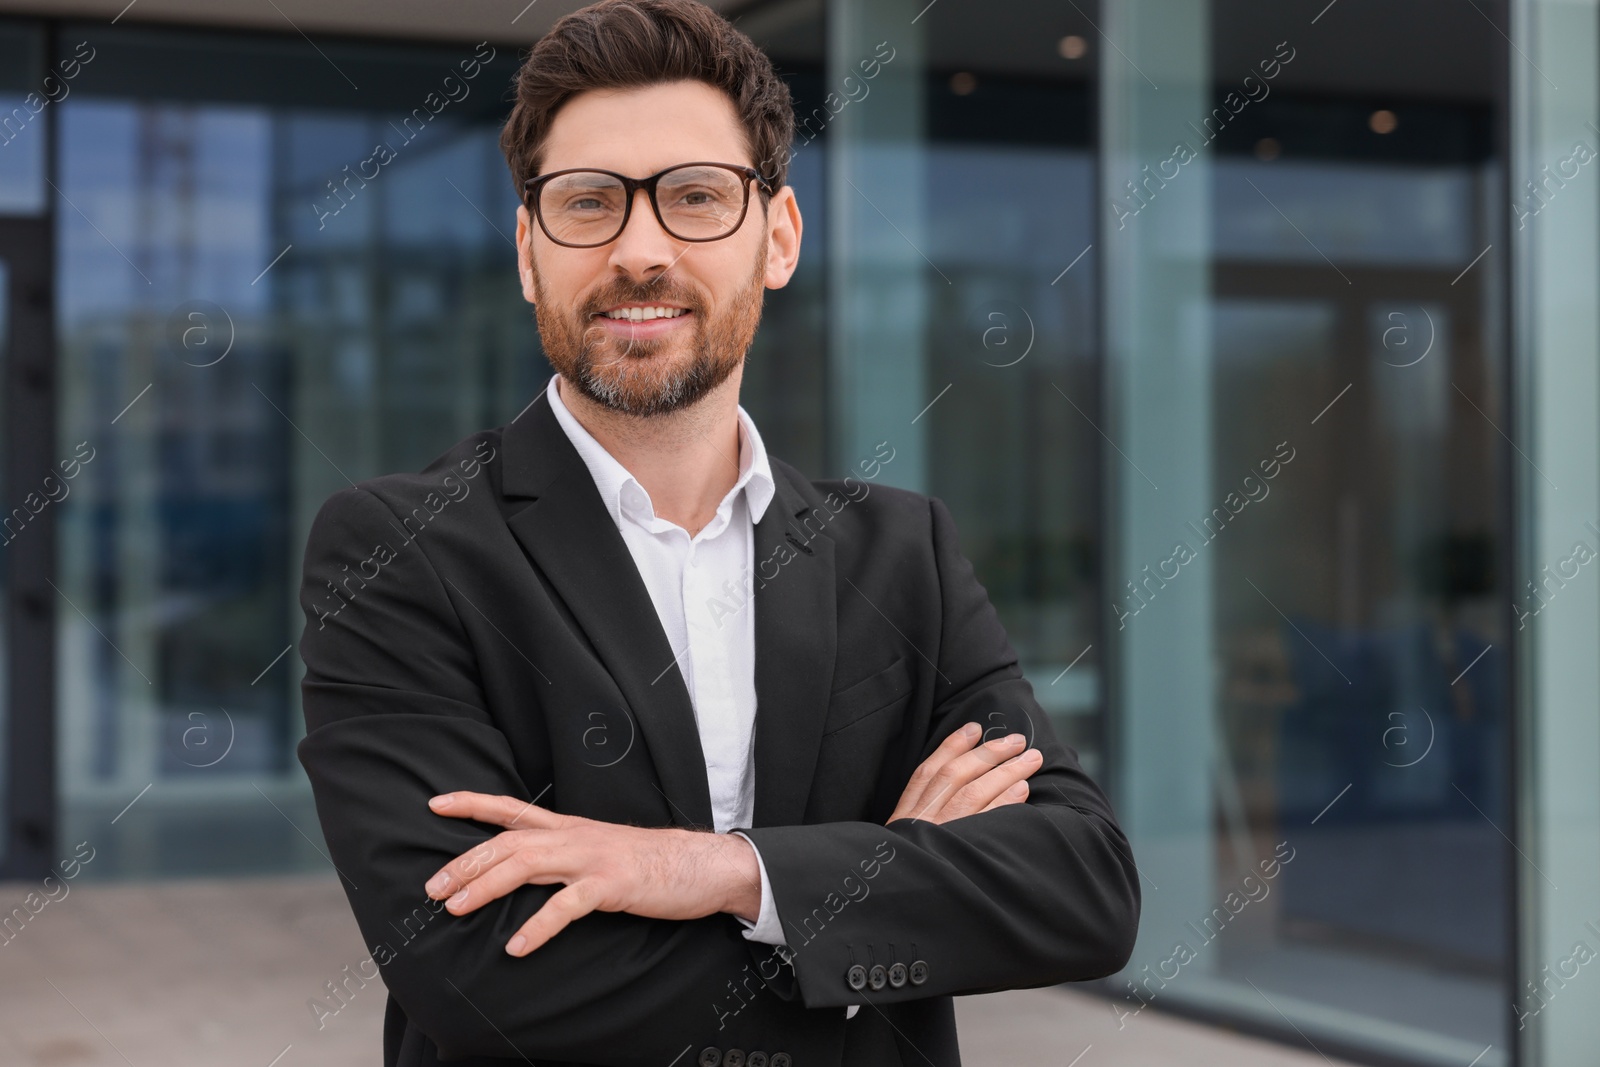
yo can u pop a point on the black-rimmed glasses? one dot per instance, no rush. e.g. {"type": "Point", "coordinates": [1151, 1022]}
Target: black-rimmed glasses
{"type": "Point", "coordinates": [584, 208]}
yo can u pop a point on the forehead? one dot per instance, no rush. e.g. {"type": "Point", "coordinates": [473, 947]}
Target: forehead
{"type": "Point", "coordinates": [640, 131]}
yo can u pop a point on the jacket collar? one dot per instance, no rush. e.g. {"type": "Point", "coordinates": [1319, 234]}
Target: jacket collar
{"type": "Point", "coordinates": [570, 536]}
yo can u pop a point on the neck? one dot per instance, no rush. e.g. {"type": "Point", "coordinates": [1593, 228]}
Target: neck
{"type": "Point", "coordinates": [687, 460]}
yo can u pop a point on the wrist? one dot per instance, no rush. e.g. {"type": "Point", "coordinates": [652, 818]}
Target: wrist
{"type": "Point", "coordinates": [740, 877]}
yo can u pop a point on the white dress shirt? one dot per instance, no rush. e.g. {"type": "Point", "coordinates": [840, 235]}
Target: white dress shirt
{"type": "Point", "coordinates": [716, 651]}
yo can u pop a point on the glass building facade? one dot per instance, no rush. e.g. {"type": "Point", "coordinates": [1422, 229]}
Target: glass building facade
{"type": "Point", "coordinates": [1253, 347]}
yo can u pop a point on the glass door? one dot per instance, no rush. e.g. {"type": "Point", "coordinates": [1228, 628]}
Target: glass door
{"type": "Point", "coordinates": [1309, 509]}
{"type": "Point", "coordinates": [250, 316]}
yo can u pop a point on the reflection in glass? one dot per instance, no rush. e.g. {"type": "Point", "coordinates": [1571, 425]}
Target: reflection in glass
{"type": "Point", "coordinates": [1347, 722]}
{"type": "Point", "coordinates": [243, 330]}
{"type": "Point", "coordinates": [257, 307]}
{"type": "Point", "coordinates": [22, 150]}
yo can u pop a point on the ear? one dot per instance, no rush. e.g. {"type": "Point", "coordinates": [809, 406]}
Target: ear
{"type": "Point", "coordinates": [525, 252]}
{"type": "Point", "coordinates": [783, 238]}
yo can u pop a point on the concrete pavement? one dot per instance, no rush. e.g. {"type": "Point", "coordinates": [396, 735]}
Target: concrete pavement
{"type": "Point", "coordinates": [212, 973]}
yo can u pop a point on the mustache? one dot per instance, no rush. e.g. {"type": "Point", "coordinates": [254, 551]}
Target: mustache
{"type": "Point", "coordinates": [623, 293]}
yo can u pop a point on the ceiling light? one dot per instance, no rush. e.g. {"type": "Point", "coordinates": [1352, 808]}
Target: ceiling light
{"type": "Point", "coordinates": [1072, 46]}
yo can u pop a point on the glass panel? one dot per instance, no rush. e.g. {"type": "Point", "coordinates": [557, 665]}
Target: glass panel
{"type": "Point", "coordinates": [22, 145]}
{"type": "Point", "coordinates": [962, 303]}
{"type": "Point", "coordinates": [786, 374]}
{"type": "Point", "coordinates": [260, 297]}
{"type": "Point", "coordinates": [255, 304]}
{"type": "Point", "coordinates": [1313, 641]}
{"type": "Point", "coordinates": [26, 93]}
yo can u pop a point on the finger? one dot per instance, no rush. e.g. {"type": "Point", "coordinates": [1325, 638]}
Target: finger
{"type": "Point", "coordinates": [528, 865]}
{"type": "Point", "coordinates": [957, 743]}
{"type": "Point", "coordinates": [509, 812]}
{"type": "Point", "coordinates": [1017, 794]}
{"type": "Point", "coordinates": [470, 864]}
{"type": "Point", "coordinates": [976, 795]}
{"type": "Point", "coordinates": [964, 769]}
{"type": "Point", "coordinates": [566, 906]}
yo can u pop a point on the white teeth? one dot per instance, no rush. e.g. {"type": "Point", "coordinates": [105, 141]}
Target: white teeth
{"type": "Point", "coordinates": [641, 314]}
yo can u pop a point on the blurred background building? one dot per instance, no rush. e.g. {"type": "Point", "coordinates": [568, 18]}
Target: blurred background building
{"type": "Point", "coordinates": [1252, 345]}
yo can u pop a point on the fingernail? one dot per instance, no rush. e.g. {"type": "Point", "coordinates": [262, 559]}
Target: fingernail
{"type": "Point", "coordinates": [1013, 740]}
{"type": "Point", "coordinates": [516, 945]}
{"type": "Point", "coordinates": [441, 802]}
{"type": "Point", "coordinates": [1018, 790]}
{"type": "Point", "coordinates": [438, 884]}
{"type": "Point", "coordinates": [457, 900]}
{"type": "Point", "coordinates": [972, 729]}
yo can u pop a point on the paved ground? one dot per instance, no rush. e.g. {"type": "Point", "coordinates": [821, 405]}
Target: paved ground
{"type": "Point", "coordinates": [214, 974]}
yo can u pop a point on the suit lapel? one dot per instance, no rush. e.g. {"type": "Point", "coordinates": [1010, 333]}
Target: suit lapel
{"type": "Point", "coordinates": [568, 533]}
{"type": "Point", "coordinates": [796, 633]}
{"type": "Point", "coordinates": [571, 537]}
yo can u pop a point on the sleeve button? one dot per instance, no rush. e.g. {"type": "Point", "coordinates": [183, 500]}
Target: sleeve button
{"type": "Point", "coordinates": [919, 972]}
{"type": "Point", "coordinates": [710, 1056]}
{"type": "Point", "coordinates": [734, 1057]}
{"type": "Point", "coordinates": [897, 975]}
{"type": "Point", "coordinates": [756, 1059]}
{"type": "Point", "coordinates": [856, 976]}
{"type": "Point", "coordinates": [878, 977]}
{"type": "Point", "coordinates": [781, 1059]}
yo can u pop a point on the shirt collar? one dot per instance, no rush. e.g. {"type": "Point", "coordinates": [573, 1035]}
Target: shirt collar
{"type": "Point", "coordinates": [612, 478]}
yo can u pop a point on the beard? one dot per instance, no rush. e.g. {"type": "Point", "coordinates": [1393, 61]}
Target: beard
{"type": "Point", "coordinates": [648, 377]}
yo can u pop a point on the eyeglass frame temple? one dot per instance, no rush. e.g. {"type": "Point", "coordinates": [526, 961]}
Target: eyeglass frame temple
{"type": "Point", "coordinates": [631, 186]}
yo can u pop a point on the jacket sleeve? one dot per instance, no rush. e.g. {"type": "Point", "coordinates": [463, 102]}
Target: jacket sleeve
{"type": "Point", "coordinates": [1026, 895]}
{"type": "Point", "coordinates": [394, 715]}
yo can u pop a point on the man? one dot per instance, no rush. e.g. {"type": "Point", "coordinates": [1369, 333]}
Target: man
{"type": "Point", "coordinates": [550, 675]}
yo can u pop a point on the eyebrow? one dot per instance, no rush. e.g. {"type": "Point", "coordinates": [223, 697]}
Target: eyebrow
{"type": "Point", "coordinates": [595, 181]}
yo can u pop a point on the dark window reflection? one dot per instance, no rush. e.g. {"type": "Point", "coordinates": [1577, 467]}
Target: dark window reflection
{"type": "Point", "coordinates": [1364, 680]}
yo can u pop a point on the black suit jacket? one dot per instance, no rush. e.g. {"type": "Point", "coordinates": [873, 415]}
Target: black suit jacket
{"type": "Point", "coordinates": [480, 625]}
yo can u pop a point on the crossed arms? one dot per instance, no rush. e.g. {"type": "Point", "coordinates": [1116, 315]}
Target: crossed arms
{"type": "Point", "coordinates": [669, 873]}
{"type": "Point", "coordinates": [999, 890]}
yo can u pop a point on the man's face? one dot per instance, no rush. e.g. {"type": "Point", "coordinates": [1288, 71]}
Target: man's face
{"type": "Point", "coordinates": [662, 364]}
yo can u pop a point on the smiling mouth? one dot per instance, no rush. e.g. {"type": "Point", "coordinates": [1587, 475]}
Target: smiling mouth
{"type": "Point", "coordinates": [643, 314]}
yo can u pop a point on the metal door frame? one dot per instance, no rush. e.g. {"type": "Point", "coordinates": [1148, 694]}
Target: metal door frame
{"type": "Point", "coordinates": [29, 560]}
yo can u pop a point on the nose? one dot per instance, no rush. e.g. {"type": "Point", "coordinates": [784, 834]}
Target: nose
{"type": "Point", "coordinates": [644, 249]}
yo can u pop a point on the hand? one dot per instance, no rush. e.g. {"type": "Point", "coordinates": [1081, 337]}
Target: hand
{"type": "Point", "coordinates": [960, 779]}
{"type": "Point", "coordinates": [665, 873]}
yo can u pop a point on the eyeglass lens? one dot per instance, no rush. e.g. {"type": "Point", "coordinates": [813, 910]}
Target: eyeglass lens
{"type": "Point", "coordinates": [696, 203]}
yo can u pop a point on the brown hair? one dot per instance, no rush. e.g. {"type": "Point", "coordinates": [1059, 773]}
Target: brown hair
{"type": "Point", "coordinates": [623, 44]}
